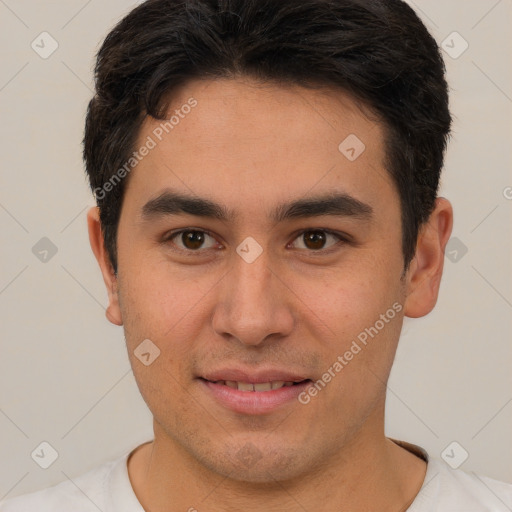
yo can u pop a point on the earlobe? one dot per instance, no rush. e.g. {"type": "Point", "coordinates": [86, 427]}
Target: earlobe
{"type": "Point", "coordinates": [113, 311]}
{"type": "Point", "coordinates": [426, 268]}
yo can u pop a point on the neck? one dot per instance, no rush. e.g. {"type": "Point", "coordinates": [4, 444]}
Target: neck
{"type": "Point", "coordinates": [369, 472]}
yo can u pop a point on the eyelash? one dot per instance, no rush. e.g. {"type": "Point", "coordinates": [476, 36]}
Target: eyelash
{"type": "Point", "coordinates": [342, 240]}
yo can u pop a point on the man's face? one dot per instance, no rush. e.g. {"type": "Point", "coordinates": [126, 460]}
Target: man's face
{"type": "Point", "coordinates": [217, 314]}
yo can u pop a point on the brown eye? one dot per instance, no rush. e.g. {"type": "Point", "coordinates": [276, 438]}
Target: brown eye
{"type": "Point", "coordinates": [190, 239]}
{"type": "Point", "coordinates": [315, 240]}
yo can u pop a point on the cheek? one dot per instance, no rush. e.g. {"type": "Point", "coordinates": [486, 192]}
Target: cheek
{"type": "Point", "coordinates": [159, 302]}
{"type": "Point", "coordinates": [160, 319]}
{"type": "Point", "coordinates": [168, 307]}
{"type": "Point", "coordinates": [356, 316]}
{"type": "Point", "coordinates": [343, 301]}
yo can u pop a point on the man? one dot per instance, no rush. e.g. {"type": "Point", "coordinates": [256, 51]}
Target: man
{"type": "Point", "coordinates": [266, 175]}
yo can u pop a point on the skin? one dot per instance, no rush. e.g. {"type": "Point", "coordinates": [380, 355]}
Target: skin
{"type": "Point", "coordinates": [250, 147]}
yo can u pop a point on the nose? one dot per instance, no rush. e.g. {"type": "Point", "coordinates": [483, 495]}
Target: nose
{"type": "Point", "coordinates": [254, 303]}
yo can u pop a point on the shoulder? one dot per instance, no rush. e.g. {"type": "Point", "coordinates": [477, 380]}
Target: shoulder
{"type": "Point", "coordinates": [455, 489]}
{"type": "Point", "coordinates": [86, 493]}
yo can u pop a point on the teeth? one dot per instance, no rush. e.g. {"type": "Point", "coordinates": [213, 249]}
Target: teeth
{"type": "Point", "coordinates": [245, 386]}
{"type": "Point", "coordinates": [261, 386]}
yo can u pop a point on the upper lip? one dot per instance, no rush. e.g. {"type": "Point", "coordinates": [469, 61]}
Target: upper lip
{"type": "Point", "coordinates": [253, 376]}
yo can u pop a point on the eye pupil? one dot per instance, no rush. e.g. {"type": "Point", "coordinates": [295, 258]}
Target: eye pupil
{"type": "Point", "coordinates": [195, 238]}
{"type": "Point", "coordinates": [317, 238]}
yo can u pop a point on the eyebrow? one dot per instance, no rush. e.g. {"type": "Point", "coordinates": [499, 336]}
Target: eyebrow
{"type": "Point", "coordinates": [335, 204]}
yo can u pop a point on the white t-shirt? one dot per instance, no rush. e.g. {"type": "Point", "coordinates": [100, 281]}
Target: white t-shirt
{"type": "Point", "coordinates": [107, 488]}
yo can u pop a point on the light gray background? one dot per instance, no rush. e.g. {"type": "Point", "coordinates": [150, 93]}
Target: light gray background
{"type": "Point", "coordinates": [64, 372]}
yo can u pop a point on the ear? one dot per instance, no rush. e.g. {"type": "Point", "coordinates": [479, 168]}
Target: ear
{"type": "Point", "coordinates": [423, 277]}
{"type": "Point", "coordinates": [113, 311]}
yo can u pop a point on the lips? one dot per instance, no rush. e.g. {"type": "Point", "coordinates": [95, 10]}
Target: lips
{"type": "Point", "coordinates": [253, 392]}
{"type": "Point", "coordinates": [256, 399]}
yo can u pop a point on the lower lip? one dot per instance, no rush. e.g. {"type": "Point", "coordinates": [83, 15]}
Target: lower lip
{"type": "Point", "coordinates": [254, 402]}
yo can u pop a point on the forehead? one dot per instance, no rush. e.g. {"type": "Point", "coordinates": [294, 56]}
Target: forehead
{"type": "Point", "coordinates": [243, 140]}
{"type": "Point", "coordinates": [244, 110]}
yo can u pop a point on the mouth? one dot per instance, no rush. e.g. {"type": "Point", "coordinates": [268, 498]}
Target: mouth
{"type": "Point", "coordinates": [254, 394]}
{"type": "Point", "coordinates": [257, 387]}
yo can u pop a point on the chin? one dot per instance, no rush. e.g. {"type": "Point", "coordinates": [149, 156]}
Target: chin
{"type": "Point", "coordinates": [258, 464]}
